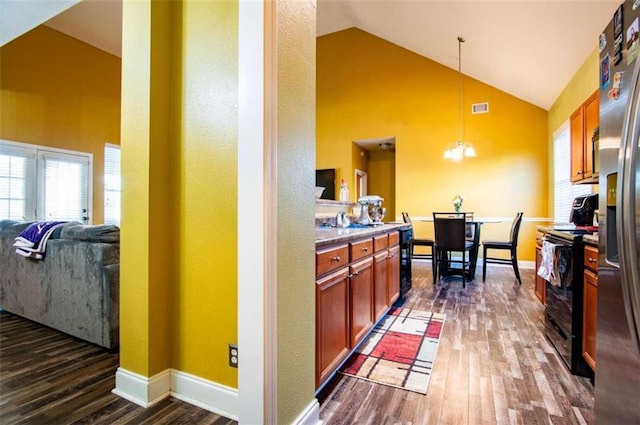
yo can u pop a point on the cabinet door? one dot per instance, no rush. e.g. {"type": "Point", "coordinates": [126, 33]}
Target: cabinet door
{"type": "Point", "coordinates": [393, 274]}
{"type": "Point", "coordinates": [577, 144]}
{"type": "Point", "coordinates": [380, 265]}
{"type": "Point", "coordinates": [332, 323]}
{"type": "Point", "coordinates": [541, 286]}
{"type": "Point", "coordinates": [361, 299]}
{"type": "Point", "coordinates": [590, 316]}
{"type": "Point", "coordinates": [591, 122]}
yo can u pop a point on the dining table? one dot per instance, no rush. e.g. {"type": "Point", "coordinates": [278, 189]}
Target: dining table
{"type": "Point", "coordinates": [476, 224]}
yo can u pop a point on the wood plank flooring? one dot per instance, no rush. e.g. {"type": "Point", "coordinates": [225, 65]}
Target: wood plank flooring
{"type": "Point", "coordinates": [494, 365]}
{"type": "Point", "coordinates": [49, 378]}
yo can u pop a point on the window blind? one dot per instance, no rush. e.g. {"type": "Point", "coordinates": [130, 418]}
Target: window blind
{"type": "Point", "coordinates": [65, 181]}
{"type": "Point", "coordinates": [16, 186]}
{"type": "Point", "coordinates": [112, 184]}
{"type": "Point", "coordinates": [564, 191]}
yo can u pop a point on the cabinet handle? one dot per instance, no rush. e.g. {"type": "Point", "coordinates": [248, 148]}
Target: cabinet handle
{"type": "Point", "coordinates": [591, 260]}
{"type": "Point", "coordinates": [365, 249]}
{"type": "Point", "coordinates": [336, 259]}
{"type": "Point", "coordinates": [353, 275]}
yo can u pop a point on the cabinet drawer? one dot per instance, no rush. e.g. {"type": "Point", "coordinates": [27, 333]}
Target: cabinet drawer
{"type": "Point", "coordinates": [360, 249]}
{"type": "Point", "coordinates": [380, 242]}
{"type": "Point", "coordinates": [394, 238]}
{"type": "Point", "coordinates": [591, 258]}
{"type": "Point", "coordinates": [331, 258]}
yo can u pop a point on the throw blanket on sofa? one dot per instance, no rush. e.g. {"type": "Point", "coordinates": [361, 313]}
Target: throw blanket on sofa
{"type": "Point", "coordinates": [32, 241]}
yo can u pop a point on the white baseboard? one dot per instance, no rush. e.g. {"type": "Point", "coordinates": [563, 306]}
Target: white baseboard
{"type": "Point", "coordinates": [208, 395]}
{"type": "Point", "coordinates": [141, 390]}
{"type": "Point", "coordinates": [310, 415]}
{"type": "Point", "coordinates": [200, 392]}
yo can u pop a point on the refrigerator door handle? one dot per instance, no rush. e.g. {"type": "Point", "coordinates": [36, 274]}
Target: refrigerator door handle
{"type": "Point", "coordinates": [627, 232]}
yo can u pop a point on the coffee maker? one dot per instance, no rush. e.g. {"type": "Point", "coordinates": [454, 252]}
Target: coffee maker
{"type": "Point", "coordinates": [371, 210]}
{"type": "Point", "coordinates": [583, 210]}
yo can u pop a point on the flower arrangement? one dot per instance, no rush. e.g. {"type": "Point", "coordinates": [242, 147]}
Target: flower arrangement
{"type": "Point", "coordinates": [457, 202]}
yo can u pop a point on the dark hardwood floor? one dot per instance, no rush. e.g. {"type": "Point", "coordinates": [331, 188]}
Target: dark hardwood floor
{"type": "Point", "coordinates": [493, 366]}
{"type": "Point", "coordinates": [49, 378]}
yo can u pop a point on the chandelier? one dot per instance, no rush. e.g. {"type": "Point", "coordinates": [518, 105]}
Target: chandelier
{"type": "Point", "coordinates": [458, 150]}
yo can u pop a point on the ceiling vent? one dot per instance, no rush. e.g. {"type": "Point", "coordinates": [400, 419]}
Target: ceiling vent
{"type": "Point", "coordinates": [480, 108]}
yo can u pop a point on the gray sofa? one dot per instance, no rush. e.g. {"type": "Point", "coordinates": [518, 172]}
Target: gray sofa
{"type": "Point", "coordinates": [74, 289]}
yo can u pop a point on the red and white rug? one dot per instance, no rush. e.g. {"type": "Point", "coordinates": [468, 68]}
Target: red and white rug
{"type": "Point", "coordinates": [399, 351]}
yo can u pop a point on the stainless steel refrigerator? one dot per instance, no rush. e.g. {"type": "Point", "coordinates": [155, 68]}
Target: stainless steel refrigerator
{"type": "Point", "coordinates": [617, 373]}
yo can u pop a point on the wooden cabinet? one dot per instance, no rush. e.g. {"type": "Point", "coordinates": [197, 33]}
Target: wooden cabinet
{"type": "Point", "coordinates": [356, 283]}
{"type": "Point", "coordinates": [361, 299]}
{"type": "Point", "coordinates": [590, 307]}
{"type": "Point", "coordinates": [380, 266]}
{"type": "Point", "coordinates": [393, 274]}
{"type": "Point", "coordinates": [540, 288]}
{"type": "Point", "coordinates": [332, 322]}
{"type": "Point", "coordinates": [583, 122]}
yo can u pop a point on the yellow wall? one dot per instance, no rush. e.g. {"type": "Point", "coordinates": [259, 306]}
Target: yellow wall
{"type": "Point", "coordinates": [59, 92]}
{"type": "Point", "coordinates": [581, 86]}
{"type": "Point", "coordinates": [178, 264]}
{"type": "Point", "coordinates": [296, 56]}
{"type": "Point", "coordinates": [382, 180]}
{"type": "Point", "coordinates": [369, 88]}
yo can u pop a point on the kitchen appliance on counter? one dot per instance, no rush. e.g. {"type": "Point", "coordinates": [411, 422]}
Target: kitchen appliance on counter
{"type": "Point", "coordinates": [371, 210]}
{"type": "Point", "coordinates": [618, 319]}
{"type": "Point", "coordinates": [583, 209]}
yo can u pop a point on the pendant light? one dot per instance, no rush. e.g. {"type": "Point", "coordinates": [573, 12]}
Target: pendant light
{"type": "Point", "coordinates": [460, 149]}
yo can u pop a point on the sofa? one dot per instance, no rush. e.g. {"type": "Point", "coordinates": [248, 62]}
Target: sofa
{"type": "Point", "coordinates": [74, 288]}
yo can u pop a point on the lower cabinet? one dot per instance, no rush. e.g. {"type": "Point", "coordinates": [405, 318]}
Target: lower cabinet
{"type": "Point", "coordinates": [590, 306]}
{"type": "Point", "coordinates": [332, 322]}
{"type": "Point", "coordinates": [361, 299]}
{"type": "Point", "coordinates": [393, 274]}
{"type": "Point", "coordinates": [540, 284]}
{"type": "Point", "coordinates": [356, 283]}
{"type": "Point", "coordinates": [380, 293]}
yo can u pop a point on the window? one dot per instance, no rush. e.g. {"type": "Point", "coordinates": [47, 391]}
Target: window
{"type": "Point", "coordinates": [564, 191]}
{"type": "Point", "coordinates": [16, 177]}
{"type": "Point", "coordinates": [112, 184]}
{"type": "Point", "coordinates": [38, 183]}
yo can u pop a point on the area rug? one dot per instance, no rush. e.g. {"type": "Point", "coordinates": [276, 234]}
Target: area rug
{"type": "Point", "coordinates": [399, 351]}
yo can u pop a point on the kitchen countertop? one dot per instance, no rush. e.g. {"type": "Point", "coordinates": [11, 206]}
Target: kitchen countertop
{"type": "Point", "coordinates": [331, 235]}
{"type": "Point", "coordinates": [591, 239]}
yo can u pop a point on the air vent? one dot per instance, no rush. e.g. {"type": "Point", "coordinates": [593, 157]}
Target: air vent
{"type": "Point", "coordinates": [480, 108]}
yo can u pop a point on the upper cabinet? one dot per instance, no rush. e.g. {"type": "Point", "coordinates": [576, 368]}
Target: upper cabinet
{"type": "Point", "coordinates": [584, 122]}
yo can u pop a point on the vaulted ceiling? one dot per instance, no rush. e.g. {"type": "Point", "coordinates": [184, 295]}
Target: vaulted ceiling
{"type": "Point", "coordinates": [528, 48]}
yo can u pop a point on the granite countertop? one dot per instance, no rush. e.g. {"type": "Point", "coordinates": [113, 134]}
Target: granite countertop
{"type": "Point", "coordinates": [331, 235]}
{"type": "Point", "coordinates": [591, 239]}
{"type": "Point", "coordinates": [544, 228]}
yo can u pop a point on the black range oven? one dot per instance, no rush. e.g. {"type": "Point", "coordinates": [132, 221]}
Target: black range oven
{"type": "Point", "coordinates": [564, 298]}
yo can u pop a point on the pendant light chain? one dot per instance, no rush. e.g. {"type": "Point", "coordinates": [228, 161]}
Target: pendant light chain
{"type": "Point", "coordinates": [460, 115]}
{"type": "Point", "coordinates": [460, 149]}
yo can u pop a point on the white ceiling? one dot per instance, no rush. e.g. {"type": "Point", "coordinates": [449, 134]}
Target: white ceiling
{"type": "Point", "coordinates": [530, 49]}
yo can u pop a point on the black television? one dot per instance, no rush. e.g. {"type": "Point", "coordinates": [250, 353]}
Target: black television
{"type": "Point", "coordinates": [327, 178]}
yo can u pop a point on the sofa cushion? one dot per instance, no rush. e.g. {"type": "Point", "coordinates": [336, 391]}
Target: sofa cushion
{"type": "Point", "coordinates": [11, 228]}
{"type": "Point", "coordinates": [92, 233]}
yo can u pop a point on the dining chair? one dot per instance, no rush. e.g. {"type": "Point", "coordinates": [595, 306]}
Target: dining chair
{"type": "Point", "coordinates": [511, 245]}
{"type": "Point", "coordinates": [450, 238]}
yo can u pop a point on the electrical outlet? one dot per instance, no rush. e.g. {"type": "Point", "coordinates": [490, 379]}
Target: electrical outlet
{"type": "Point", "coordinates": [233, 355]}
